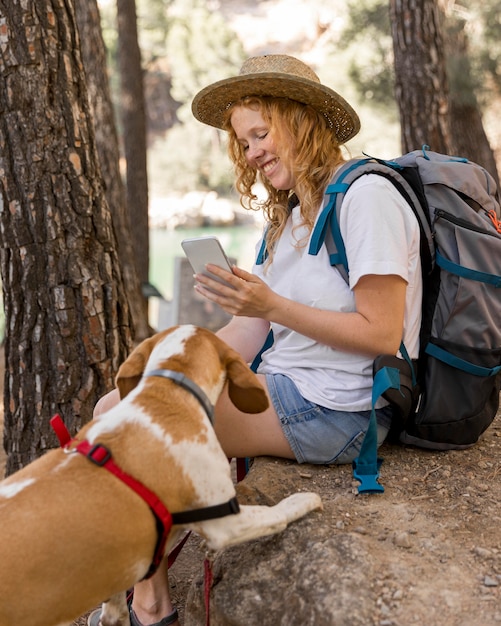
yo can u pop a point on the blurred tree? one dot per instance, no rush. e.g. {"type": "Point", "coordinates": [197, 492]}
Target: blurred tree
{"type": "Point", "coordinates": [421, 86]}
{"type": "Point", "coordinates": [184, 46]}
{"type": "Point", "coordinates": [152, 25]}
{"type": "Point", "coordinates": [94, 59]}
{"type": "Point", "coordinates": [132, 111]}
{"type": "Point", "coordinates": [202, 49]}
{"type": "Point", "coordinates": [371, 67]}
{"type": "Point", "coordinates": [67, 316]}
{"type": "Point", "coordinates": [488, 39]}
{"type": "Point", "coordinates": [470, 44]}
{"type": "Point", "coordinates": [468, 135]}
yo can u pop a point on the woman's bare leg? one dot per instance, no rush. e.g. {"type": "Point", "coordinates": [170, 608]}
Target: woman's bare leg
{"type": "Point", "coordinates": [151, 601]}
{"type": "Point", "coordinates": [248, 435]}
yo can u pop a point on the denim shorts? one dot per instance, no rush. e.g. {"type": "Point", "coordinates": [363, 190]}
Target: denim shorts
{"type": "Point", "coordinates": [317, 434]}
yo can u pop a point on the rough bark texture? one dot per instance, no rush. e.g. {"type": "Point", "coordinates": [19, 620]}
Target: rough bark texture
{"type": "Point", "coordinates": [94, 60]}
{"type": "Point", "coordinates": [67, 315]}
{"type": "Point", "coordinates": [134, 132]}
{"type": "Point", "coordinates": [420, 74]}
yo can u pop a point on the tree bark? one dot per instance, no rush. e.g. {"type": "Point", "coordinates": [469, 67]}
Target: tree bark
{"type": "Point", "coordinates": [68, 325]}
{"type": "Point", "coordinates": [134, 132]}
{"type": "Point", "coordinates": [94, 59]}
{"type": "Point", "coordinates": [468, 136]}
{"type": "Point", "coordinates": [420, 74]}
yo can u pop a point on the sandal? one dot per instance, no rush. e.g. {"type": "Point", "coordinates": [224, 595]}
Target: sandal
{"type": "Point", "coordinates": [95, 617]}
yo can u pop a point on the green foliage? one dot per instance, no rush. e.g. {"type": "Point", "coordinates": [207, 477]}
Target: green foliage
{"type": "Point", "coordinates": [187, 46]}
{"type": "Point", "coordinates": [190, 156]}
{"type": "Point", "coordinates": [153, 27]}
{"type": "Point", "coordinates": [491, 50]}
{"type": "Point", "coordinates": [472, 70]}
{"type": "Point", "coordinates": [201, 47]}
{"type": "Point", "coordinates": [367, 38]}
{"type": "Point", "coordinates": [483, 25]}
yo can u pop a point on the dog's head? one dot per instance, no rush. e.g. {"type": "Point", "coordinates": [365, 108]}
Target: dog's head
{"type": "Point", "coordinates": [199, 355]}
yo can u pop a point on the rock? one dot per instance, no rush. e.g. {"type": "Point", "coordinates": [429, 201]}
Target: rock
{"type": "Point", "coordinates": [345, 566]}
{"type": "Point", "coordinates": [402, 540]}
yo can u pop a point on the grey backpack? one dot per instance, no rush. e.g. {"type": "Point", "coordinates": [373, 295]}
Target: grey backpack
{"type": "Point", "coordinates": [451, 395]}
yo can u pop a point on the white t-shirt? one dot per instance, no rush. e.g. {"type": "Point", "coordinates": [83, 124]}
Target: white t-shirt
{"type": "Point", "coordinates": [381, 236]}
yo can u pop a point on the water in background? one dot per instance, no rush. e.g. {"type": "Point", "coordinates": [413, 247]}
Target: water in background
{"type": "Point", "coordinates": [239, 242]}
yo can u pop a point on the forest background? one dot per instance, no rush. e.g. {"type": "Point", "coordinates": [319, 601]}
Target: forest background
{"type": "Point", "coordinates": [78, 180]}
{"type": "Point", "coordinates": [187, 44]}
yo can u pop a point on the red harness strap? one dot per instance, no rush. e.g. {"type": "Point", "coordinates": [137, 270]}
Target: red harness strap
{"type": "Point", "coordinates": [208, 580]}
{"type": "Point", "coordinates": [101, 456]}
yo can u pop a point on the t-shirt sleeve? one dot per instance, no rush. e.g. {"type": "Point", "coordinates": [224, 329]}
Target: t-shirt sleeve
{"type": "Point", "coordinates": [377, 226]}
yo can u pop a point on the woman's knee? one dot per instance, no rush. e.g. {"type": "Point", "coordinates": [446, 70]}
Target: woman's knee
{"type": "Point", "coordinates": [106, 402]}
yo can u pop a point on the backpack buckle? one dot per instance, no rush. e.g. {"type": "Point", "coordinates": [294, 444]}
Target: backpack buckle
{"type": "Point", "coordinates": [367, 478]}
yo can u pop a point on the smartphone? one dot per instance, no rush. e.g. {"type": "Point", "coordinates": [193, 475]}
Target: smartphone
{"type": "Point", "coordinates": [203, 250]}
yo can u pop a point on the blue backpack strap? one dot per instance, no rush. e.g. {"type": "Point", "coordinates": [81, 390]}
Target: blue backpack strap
{"type": "Point", "coordinates": [454, 361]}
{"type": "Point", "coordinates": [327, 230]}
{"type": "Point", "coordinates": [327, 226]}
{"type": "Point", "coordinates": [268, 342]}
{"type": "Point", "coordinates": [262, 255]}
{"type": "Point", "coordinates": [405, 355]}
{"type": "Point", "coordinates": [465, 272]}
{"type": "Point", "coordinates": [366, 466]}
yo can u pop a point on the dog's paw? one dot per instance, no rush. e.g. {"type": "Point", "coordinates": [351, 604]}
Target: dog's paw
{"type": "Point", "coordinates": [299, 504]}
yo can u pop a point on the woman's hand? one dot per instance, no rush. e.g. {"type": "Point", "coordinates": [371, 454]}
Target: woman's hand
{"type": "Point", "coordinates": [242, 294]}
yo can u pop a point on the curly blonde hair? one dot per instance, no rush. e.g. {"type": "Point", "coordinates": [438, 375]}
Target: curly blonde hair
{"type": "Point", "coordinates": [309, 148]}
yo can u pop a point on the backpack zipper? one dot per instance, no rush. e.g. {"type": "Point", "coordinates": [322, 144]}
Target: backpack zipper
{"type": "Point", "coordinates": [449, 217]}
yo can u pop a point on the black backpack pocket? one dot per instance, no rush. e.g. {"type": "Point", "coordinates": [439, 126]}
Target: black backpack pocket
{"type": "Point", "coordinates": [456, 406]}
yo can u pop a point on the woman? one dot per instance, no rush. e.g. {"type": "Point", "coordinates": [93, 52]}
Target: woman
{"type": "Point", "coordinates": [286, 130]}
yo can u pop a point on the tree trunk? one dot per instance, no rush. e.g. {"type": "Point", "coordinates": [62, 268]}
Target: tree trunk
{"type": "Point", "coordinates": [468, 136]}
{"type": "Point", "coordinates": [67, 314]}
{"type": "Point", "coordinates": [420, 74]}
{"type": "Point", "coordinates": [134, 133]}
{"type": "Point", "coordinates": [94, 59]}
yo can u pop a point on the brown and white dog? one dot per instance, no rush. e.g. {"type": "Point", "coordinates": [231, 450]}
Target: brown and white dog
{"type": "Point", "coordinates": [72, 534]}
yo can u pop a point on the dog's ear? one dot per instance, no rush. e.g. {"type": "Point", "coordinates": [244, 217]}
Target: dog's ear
{"type": "Point", "coordinates": [131, 370]}
{"type": "Point", "coordinates": [244, 388]}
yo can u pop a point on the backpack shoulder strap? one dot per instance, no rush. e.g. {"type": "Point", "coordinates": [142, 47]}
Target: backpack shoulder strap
{"type": "Point", "coordinates": [404, 178]}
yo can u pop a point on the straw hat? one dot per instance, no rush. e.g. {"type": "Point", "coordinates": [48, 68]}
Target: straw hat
{"type": "Point", "coordinates": [281, 76]}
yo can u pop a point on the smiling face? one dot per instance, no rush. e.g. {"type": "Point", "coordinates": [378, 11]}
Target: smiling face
{"type": "Point", "coordinates": [261, 151]}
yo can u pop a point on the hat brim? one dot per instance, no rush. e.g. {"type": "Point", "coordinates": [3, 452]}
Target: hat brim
{"type": "Point", "coordinates": [210, 104]}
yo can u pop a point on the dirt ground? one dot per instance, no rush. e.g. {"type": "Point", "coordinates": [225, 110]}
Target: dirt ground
{"type": "Point", "coordinates": [442, 509]}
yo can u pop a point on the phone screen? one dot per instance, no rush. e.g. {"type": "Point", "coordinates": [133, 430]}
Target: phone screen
{"type": "Point", "coordinates": [203, 250]}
